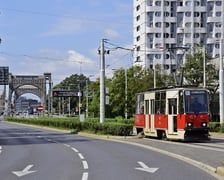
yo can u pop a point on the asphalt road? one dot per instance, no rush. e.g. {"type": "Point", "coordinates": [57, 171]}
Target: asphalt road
{"type": "Point", "coordinates": [34, 153]}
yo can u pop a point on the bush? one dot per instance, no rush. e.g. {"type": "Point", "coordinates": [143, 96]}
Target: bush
{"type": "Point", "coordinates": [214, 126]}
{"type": "Point", "coordinates": [121, 127]}
{"type": "Point", "coordinates": [222, 128]}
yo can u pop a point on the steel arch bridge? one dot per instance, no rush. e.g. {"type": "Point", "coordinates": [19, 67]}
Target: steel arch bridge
{"type": "Point", "coordinates": [22, 84]}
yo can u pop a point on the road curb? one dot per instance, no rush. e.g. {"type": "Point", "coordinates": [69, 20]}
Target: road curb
{"type": "Point", "coordinates": [220, 170]}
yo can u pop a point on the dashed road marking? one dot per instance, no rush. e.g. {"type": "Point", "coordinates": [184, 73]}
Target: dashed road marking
{"type": "Point", "coordinates": [85, 176]}
{"type": "Point", "coordinates": [85, 164]}
{"type": "Point", "coordinates": [81, 156]}
{"type": "Point", "coordinates": [67, 145]}
{"type": "Point", "coordinates": [75, 150]}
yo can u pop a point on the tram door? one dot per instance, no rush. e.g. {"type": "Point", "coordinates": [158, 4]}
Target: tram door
{"type": "Point", "coordinates": [172, 115]}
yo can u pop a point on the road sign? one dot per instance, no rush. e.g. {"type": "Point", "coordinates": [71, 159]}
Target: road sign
{"type": "Point", "coordinates": [4, 75]}
{"type": "Point", "coordinates": [66, 93]}
{"type": "Point", "coordinates": [40, 108]}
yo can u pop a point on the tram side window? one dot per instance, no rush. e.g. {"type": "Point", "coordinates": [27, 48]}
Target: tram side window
{"type": "Point", "coordinates": [172, 106]}
{"type": "Point", "coordinates": [152, 103]}
{"type": "Point", "coordinates": [160, 102]}
{"type": "Point", "coordinates": [163, 102]}
{"type": "Point", "coordinates": [146, 106]}
{"type": "Point", "coordinates": [157, 102]}
{"type": "Point", "coordinates": [139, 109]}
{"type": "Point", "coordinates": [181, 102]}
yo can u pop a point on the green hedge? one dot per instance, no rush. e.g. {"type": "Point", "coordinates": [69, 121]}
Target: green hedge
{"type": "Point", "coordinates": [109, 127]}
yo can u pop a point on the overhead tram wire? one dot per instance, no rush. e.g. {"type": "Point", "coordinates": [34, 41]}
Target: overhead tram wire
{"type": "Point", "coordinates": [44, 58]}
{"type": "Point", "coordinates": [64, 16]}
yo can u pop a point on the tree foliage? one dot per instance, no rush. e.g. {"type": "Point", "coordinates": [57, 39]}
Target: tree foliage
{"type": "Point", "coordinates": [138, 80]}
{"type": "Point", "coordinates": [193, 70]}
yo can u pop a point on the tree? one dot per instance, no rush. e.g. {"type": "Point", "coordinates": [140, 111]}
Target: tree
{"type": "Point", "coordinates": [74, 82]}
{"type": "Point", "coordinates": [193, 70]}
{"type": "Point", "coordinates": [193, 74]}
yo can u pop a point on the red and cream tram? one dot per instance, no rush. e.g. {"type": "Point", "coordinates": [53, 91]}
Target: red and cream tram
{"type": "Point", "coordinates": [179, 113]}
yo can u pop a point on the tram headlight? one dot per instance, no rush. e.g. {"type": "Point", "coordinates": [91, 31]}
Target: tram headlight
{"type": "Point", "coordinates": [204, 124]}
{"type": "Point", "coordinates": [189, 124]}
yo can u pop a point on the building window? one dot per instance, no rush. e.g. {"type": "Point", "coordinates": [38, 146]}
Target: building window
{"type": "Point", "coordinates": [137, 18]}
{"type": "Point", "coordinates": [218, 24]}
{"type": "Point", "coordinates": [165, 35]}
{"type": "Point", "coordinates": [188, 24]}
{"type": "Point", "coordinates": [138, 28]}
{"type": "Point", "coordinates": [218, 14]}
{"type": "Point", "coordinates": [149, 3]}
{"type": "Point", "coordinates": [158, 14]}
{"type": "Point", "coordinates": [166, 14]}
{"type": "Point", "coordinates": [196, 3]}
{"type": "Point", "coordinates": [217, 46]}
{"type": "Point", "coordinates": [166, 3]}
{"type": "Point", "coordinates": [166, 24]}
{"type": "Point", "coordinates": [158, 56]}
{"type": "Point", "coordinates": [158, 45]}
{"type": "Point", "coordinates": [167, 56]}
{"type": "Point", "coordinates": [158, 3]}
{"type": "Point", "coordinates": [218, 35]}
{"type": "Point", "coordinates": [196, 24]}
{"type": "Point", "coordinates": [138, 48]}
{"type": "Point", "coordinates": [196, 35]}
{"type": "Point", "coordinates": [218, 3]}
{"type": "Point", "coordinates": [138, 59]}
{"type": "Point", "coordinates": [158, 24]}
{"type": "Point", "coordinates": [138, 38]}
{"type": "Point", "coordinates": [158, 35]}
{"type": "Point", "coordinates": [188, 14]}
{"type": "Point", "coordinates": [137, 8]}
{"type": "Point", "coordinates": [196, 14]}
{"type": "Point", "coordinates": [188, 3]}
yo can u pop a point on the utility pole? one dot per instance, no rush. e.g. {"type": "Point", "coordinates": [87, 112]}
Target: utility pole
{"type": "Point", "coordinates": [126, 93]}
{"type": "Point", "coordinates": [204, 68]}
{"type": "Point", "coordinates": [221, 90]}
{"type": "Point", "coordinates": [102, 82]}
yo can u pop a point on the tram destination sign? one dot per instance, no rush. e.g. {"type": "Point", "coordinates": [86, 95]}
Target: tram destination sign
{"type": "Point", "coordinates": [65, 93]}
{"type": "Point", "coordinates": [4, 75]}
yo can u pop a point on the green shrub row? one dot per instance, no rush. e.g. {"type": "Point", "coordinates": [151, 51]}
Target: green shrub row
{"type": "Point", "coordinates": [109, 127]}
{"type": "Point", "coordinates": [216, 127]}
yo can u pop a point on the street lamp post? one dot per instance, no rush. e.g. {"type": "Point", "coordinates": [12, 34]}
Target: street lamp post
{"type": "Point", "coordinates": [126, 94]}
{"type": "Point", "coordinates": [87, 97]}
{"type": "Point", "coordinates": [204, 70]}
{"type": "Point", "coordinates": [221, 90]}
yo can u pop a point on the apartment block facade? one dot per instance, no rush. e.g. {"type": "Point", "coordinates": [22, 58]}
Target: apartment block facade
{"type": "Point", "coordinates": [164, 30]}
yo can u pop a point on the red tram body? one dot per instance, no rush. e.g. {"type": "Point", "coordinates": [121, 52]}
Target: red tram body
{"type": "Point", "coordinates": [179, 113]}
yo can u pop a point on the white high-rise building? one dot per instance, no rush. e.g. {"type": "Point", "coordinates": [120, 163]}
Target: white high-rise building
{"type": "Point", "coordinates": [165, 29]}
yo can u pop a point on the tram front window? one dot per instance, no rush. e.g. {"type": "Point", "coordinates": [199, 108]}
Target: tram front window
{"type": "Point", "coordinates": [196, 101]}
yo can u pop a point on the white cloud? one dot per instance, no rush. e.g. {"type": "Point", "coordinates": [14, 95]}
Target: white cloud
{"type": "Point", "coordinates": [59, 64]}
{"type": "Point", "coordinates": [65, 26]}
{"type": "Point", "coordinates": [111, 34]}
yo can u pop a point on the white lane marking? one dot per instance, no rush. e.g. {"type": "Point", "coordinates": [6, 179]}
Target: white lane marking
{"type": "Point", "coordinates": [75, 150]}
{"type": "Point", "coordinates": [85, 176]}
{"type": "Point", "coordinates": [24, 172]}
{"type": "Point", "coordinates": [81, 156]}
{"type": "Point", "coordinates": [85, 164]}
{"type": "Point", "coordinates": [67, 145]}
{"type": "Point", "coordinates": [0, 149]}
{"type": "Point", "coordinates": [144, 167]}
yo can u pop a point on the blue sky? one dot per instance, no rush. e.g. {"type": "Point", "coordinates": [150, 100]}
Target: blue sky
{"type": "Point", "coordinates": [62, 36]}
